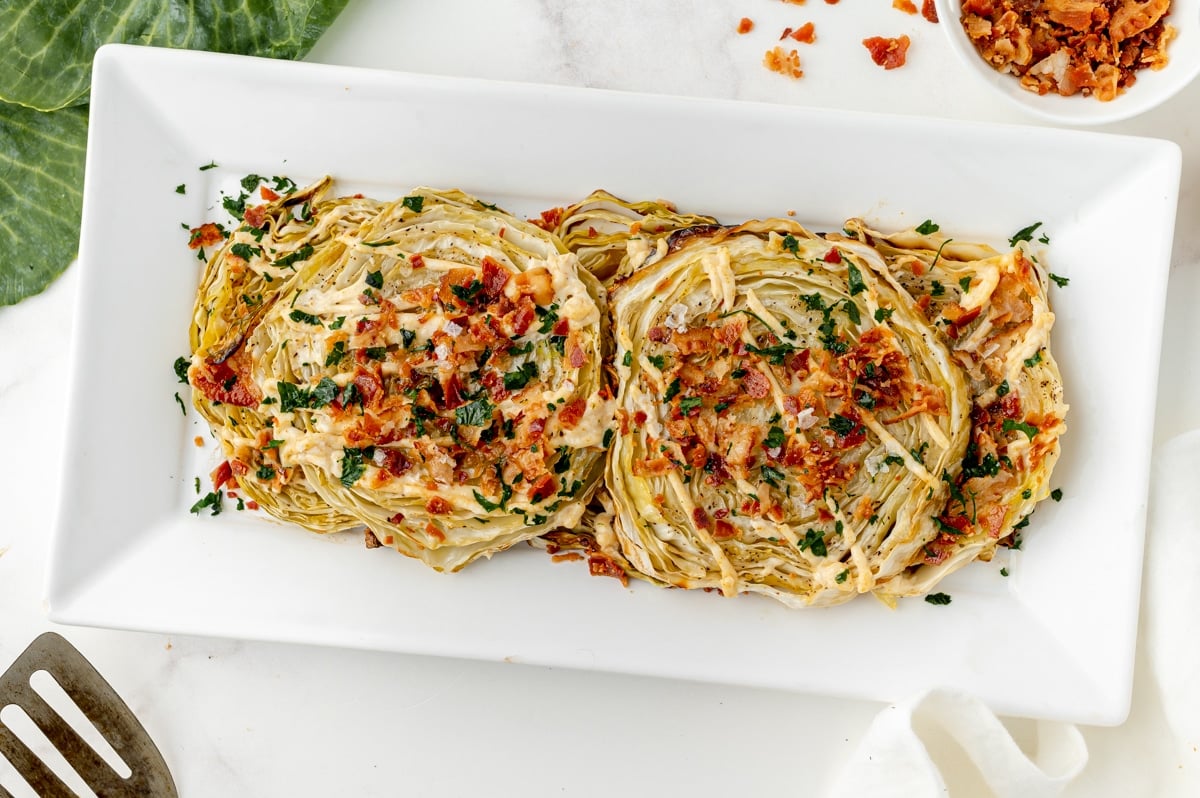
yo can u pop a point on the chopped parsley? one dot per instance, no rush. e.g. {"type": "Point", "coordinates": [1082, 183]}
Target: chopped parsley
{"type": "Point", "coordinates": [814, 541]}
{"type": "Point", "coordinates": [516, 380]}
{"type": "Point", "coordinates": [406, 337]}
{"type": "Point", "coordinates": [181, 188]}
{"type": "Point", "coordinates": [865, 399]}
{"type": "Point", "coordinates": [1024, 234]}
{"type": "Point", "coordinates": [841, 425]}
{"type": "Point", "coordinates": [182, 407]}
{"type": "Point", "coordinates": [1061, 282]}
{"type": "Point", "coordinates": [791, 244]}
{"type": "Point", "coordinates": [855, 281]}
{"type": "Point", "coordinates": [505, 495]}
{"type": "Point", "coordinates": [304, 253]}
{"type": "Point", "coordinates": [1002, 388]}
{"type": "Point", "coordinates": [926, 227]}
{"type": "Point", "coordinates": [775, 438]}
{"type": "Point", "coordinates": [209, 165]}
{"type": "Point", "coordinates": [245, 251]}
{"type": "Point", "coordinates": [772, 476]}
{"type": "Point", "coordinates": [893, 459]}
{"type": "Point", "coordinates": [376, 352]}
{"type": "Point", "coordinates": [1030, 362]}
{"type": "Point", "coordinates": [465, 293]}
{"type": "Point", "coordinates": [375, 279]}
{"type": "Point", "coordinates": [965, 283]}
{"type": "Point", "coordinates": [181, 369]}
{"type": "Point", "coordinates": [1004, 572]}
{"type": "Point", "coordinates": [251, 181]}
{"type": "Point", "coordinates": [387, 242]}
{"type": "Point", "coordinates": [211, 500]}
{"type": "Point", "coordinates": [414, 203]}
{"type": "Point", "coordinates": [304, 318]}
{"type": "Point", "coordinates": [840, 578]}
{"type": "Point", "coordinates": [265, 472]}
{"type": "Point", "coordinates": [293, 397]}
{"type": "Point", "coordinates": [336, 354]}
{"type": "Point", "coordinates": [352, 466]}
{"type": "Point", "coordinates": [774, 354]}
{"type": "Point", "coordinates": [672, 390]}
{"type": "Point", "coordinates": [689, 403]}
{"type": "Point", "coordinates": [1056, 494]}
{"type": "Point", "coordinates": [659, 361]}
{"type": "Point", "coordinates": [1020, 426]}
{"type": "Point", "coordinates": [936, 288]}
{"type": "Point", "coordinates": [883, 314]}
{"type": "Point", "coordinates": [337, 324]}
{"type": "Point", "coordinates": [608, 436]}
{"type": "Point", "coordinates": [475, 414]}
{"type": "Point", "coordinates": [939, 599]}
{"type": "Point", "coordinates": [549, 316]}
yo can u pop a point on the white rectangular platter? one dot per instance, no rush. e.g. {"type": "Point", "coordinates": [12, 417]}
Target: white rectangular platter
{"type": "Point", "coordinates": [1055, 639]}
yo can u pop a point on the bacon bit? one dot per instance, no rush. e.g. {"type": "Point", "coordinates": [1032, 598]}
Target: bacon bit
{"type": "Point", "coordinates": [805, 34]}
{"type": "Point", "coordinates": [251, 505]}
{"type": "Point", "coordinates": [205, 235]}
{"type": "Point", "coordinates": [746, 25]}
{"type": "Point", "coordinates": [231, 494]}
{"type": "Point", "coordinates": [455, 278]}
{"type": "Point", "coordinates": [495, 277]}
{"type": "Point", "coordinates": [544, 488]}
{"type": "Point", "coordinates": [623, 421]}
{"type": "Point", "coordinates": [693, 341]}
{"type": "Point", "coordinates": [502, 231]}
{"type": "Point", "coordinates": [222, 475]}
{"type": "Point", "coordinates": [550, 219]}
{"type": "Point", "coordinates": [833, 256]}
{"type": "Point", "coordinates": [416, 261]}
{"type": "Point", "coordinates": [437, 506]}
{"type": "Point", "coordinates": [904, 5]}
{"type": "Point", "coordinates": [369, 538]}
{"type": "Point", "coordinates": [198, 441]}
{"type": "Point", "coordinates": [396, 519]}
{"type": "Point", "coordinates": [658, 334]}
{"type": "Point", "coordinates": [983, 8]}
{"type": "Point", "coordinates": [929, 11]}
{"type": "Point", "coordinates": [916, 267]}
{"type": "Point", "coordinates": [724, 531]}
{"type": "Point", "coordinates": [267, 194]}
{"type": "Point", "coordinates": [639, 417]}
{"type": "Point", "coordinates": [635, 228]}
{"type": "Point", "coordinates": [239, 468]}
{"type": "Point", "coordinates": [755, 384]}
{"type": "Point", "coordinates": [370, 387]}
{"type": "Point", "coordinates": [785, 63]}
{"type": "Point", "coordinates": [603, 565]}
{"type": "Point", "coordinates": [394, 464]}
{"type": "Point", "coordinates": [256, 215]}
{"type": "Point", "coordinates": [562, 327]}
{"type": "Point", "coordinates": [571, 413]}
{"type": "Point", "coordinates": [700, 517]}
{"type": "Point", "coordinates": [751, 507]}
{"type": "Point", "coordinates": [831, 2]}
{"type": "Point", "coordinates": [718, 474]}
{"type": "Point", "coordinates": [576, 357]}
{"type": "Point", "coordinates": [887, 53]}
{"type": "Point", "coordinates": [519, 320]}
{"type": "Point", "coordinates": [211, 380]}
{"type": "Point", "coordinates": [434, 532]}
{"type": "Point", "coordinates": [533, 431]}
{"type": "Point", "coordinates": [570, 556]}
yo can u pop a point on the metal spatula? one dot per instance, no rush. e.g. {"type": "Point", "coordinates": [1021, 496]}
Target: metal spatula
{"type": "Point", "coordinates": [102, 706]}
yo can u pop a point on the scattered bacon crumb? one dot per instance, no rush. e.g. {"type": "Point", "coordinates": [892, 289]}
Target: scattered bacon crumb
{"type": "Point", "coordinates": [251, 505]}
{"type": "Point", "coordinates": [785, 63]}
{"type": "Point", "coordinates": [205, 235]}
{"type": "Point", "coordinates": [549, 219]}
{"type": "Point", "coordinates": [198, 441]}
{"type": "Point", "coordinates": [437, 506]}
{"type": "Point", "coordinates": [805, 34]}
{"type": "Point", "coordinates": [416, 261]}
{"type": "Point", "coordinates": [795, 2]}
{"type": "Point", "coordinates": [831, 2]}
{"type": "Point", "coordinates": [267, 194]}
{"type": "Point", "coordinates": [370, 540]}
{"type": "Point", "coordinates": [929, 11]}
{"type": "Point", "coordinates": [746, 25]}
{"type": "Point", "coordinates": [887, 53]}
{"type": "Point", "coordinates": [602, 565]}
{"type": "Point", "coordinates": [570, 556]}
{"type": "Point", "coordinates": [255, 215]}
{"type": "Point", "coordinates": [906, 6]}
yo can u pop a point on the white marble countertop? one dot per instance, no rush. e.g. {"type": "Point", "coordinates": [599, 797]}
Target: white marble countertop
{"type": "Point", "coordinates": [248, 718]}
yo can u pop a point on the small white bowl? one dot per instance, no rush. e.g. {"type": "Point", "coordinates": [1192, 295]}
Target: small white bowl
{"type": "Point", "coordinates": [1151, 89]}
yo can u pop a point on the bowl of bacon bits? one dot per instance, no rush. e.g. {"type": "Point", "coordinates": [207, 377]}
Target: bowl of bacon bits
{"type": "Point", "coordinates": [1083, 62]}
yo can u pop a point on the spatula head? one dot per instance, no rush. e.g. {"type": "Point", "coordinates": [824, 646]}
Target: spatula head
{"type": "Point", "coordinates": [102, 706]}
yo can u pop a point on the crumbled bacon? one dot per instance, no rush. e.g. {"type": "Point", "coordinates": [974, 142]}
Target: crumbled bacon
{"type": "Point", "coordinates": [746, 25]}
{"type": "Point", "coordinates": [495, 277]}
{"type": "Point", "coordinates": [255, 215]}
{"type": "Point", "coordinates": [755, 384]}
{"type": "Point", "coordinates": [570, 414]}
{"type": "Point", "coordinates": [222, 475]}
{"type": "Point", "coordinates": [929, 11]}
{"type": "Point", "coordinates": [906, 6]}
{"type": "Point", "coordinates": [369, 538]}
{"type": "Point", "coordinates": [267, 194]}
{"type": "Point", "coordinates": [228, 382]}
{"type": "Point", "coordinates": [805, 34]}
{"type": "Point", "coordinates": [205, 235]}
{"type": "Point", "coordinates": [887, 52]}
{"type": "Point", "coordinates": [700, 517]}
{"type": "Point", "coordinates": [550, 219]}
{"type": "Point", "coordinates": [416, 261]}
{"type": "Point", "coordinates": [437, 506]}
{"type": "Point", "coordinates": [786, 63]}
{"type": "Point", "coordinates": [1088, 47]}
{"type": "Point", "coordinates": [603, 565]}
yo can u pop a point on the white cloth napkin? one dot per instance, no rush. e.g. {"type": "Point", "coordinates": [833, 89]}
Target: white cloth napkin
{"type": "Point", "coordinates": [942, 743]}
